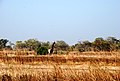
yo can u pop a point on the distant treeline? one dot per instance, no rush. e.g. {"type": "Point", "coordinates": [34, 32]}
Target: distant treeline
{"type": "Point", "coordinates": [99, 44]}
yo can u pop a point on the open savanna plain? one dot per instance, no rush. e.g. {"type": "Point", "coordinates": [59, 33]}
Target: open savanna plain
{"type": "Point", "coordinates": [73, 66]}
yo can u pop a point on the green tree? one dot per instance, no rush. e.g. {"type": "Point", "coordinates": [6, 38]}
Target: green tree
{"type": "Point", "coordinates": [32, 44]}
{"type": "Point", "coordinates": [114, 43]}
{"type": "Point", "coordinates": [97, 44]}
{"type": "Point", "coordinates": [72, 48]}
{"type": "Point", "coordinates": [46, 44]}
{"type": "Point", "coordinates": [3, 43]}
{"type": "Point", "coordinates": [62, 45]}
{"type": "Point", "coordinates": [112, 40]}
{"type": "Point", "coordinates": [20, 45]}
{"type": "Point", "coordinates": [83, 46]}
{"type": "Point", "coordinates": [101, 45]}
{"type": "Point", "coordinates": [79, 46]}
{"type": "Point", "coordinates": [118, 45]}
{"type": "Point", "coordinates": [87, 45]}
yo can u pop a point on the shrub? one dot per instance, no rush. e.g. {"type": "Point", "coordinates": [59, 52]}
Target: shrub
{"type": "Point", "coordinates": [42, 51]}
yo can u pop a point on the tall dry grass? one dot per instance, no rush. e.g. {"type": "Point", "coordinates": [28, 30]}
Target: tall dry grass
{"type": "Point", "coordinates": [86, 66]}
{"type": "Point", "coordinates": [59, 74]}
{"type": "Point", "coordinates": [23, 59]}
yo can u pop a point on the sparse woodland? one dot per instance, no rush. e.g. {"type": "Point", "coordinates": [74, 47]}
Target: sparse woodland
{"type": "Point", "coordinates": [99, 44]}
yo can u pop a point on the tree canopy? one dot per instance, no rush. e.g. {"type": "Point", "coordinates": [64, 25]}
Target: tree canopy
{"type": "Point", "coordinates": [99, 44]}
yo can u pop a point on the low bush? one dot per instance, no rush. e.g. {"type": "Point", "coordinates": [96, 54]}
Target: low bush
{"type": "Point", "coordinates": [42, 51]}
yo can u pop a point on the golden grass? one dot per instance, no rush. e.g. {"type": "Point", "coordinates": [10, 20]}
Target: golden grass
{"type": "Point", "coordinates": [57, 73]}
{"type": "Point", "coordinates": [86, 66]}
{"type": "Point", "coordinates": [14, 53]}
{"type": "Point", "coordinates": [93, 59]}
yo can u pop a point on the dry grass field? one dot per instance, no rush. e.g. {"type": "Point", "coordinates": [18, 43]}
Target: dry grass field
{"type": "Point", "coordinates": [75, 66]}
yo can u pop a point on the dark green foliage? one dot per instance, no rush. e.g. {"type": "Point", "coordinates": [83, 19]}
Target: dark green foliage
{"type": "Point", "coordinates": [42, 51]}
{"type": "Point", "coordinates": [3, 43]}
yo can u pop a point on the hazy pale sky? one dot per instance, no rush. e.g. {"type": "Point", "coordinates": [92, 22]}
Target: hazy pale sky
{"type": "Point", "coordinates": [51, 20]}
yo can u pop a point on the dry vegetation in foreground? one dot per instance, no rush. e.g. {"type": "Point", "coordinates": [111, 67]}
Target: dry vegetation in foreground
{"type": "Point", "coordinates": [88, 66]}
